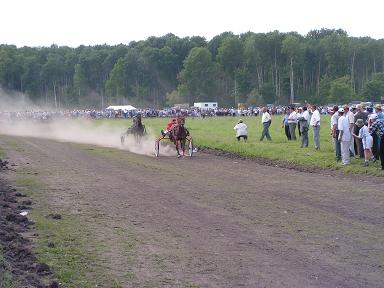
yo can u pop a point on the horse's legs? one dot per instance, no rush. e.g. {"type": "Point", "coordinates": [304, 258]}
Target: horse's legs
{"type": "Point", "coordinates": [177, 147]}
{"type": "Point", "coordinates": [182, 144]}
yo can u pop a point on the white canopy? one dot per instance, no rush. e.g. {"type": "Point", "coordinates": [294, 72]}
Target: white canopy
{"type": "Point", "coordinates": [121, 107]}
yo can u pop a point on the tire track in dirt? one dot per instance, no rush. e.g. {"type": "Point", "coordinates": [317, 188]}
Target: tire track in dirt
{"type": "Point", "coordinates": [213, 221]}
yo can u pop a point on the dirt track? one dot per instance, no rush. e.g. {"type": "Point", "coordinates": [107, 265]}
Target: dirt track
{"type": "Point", "coordinates": [211, 221]}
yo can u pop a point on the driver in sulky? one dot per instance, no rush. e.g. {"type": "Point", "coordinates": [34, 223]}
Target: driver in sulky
{"type": "Point", "coordinates": [169, 127]}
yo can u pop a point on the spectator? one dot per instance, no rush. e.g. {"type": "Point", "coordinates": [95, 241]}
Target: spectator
{"type": "Point", "coordinates": [344, 137]}
{"type": "Point", "coordinates": [266, 120]}
{"type": "Point", "coordinates": [351, 120]}
{"type": "Point", "coordinates": [298, 115]}
{"type": "Point", "coordinates": [335, 132]}
{"type": "Point", "coordinates": [302, 121]}
{"type": "Point", "coordinates": [315, 123]}
{"type": "Point", "coordinates": [241, 130]}
{"type": "Point", "coordinates": [360, 114]}
{"type": "Point", "coordinates": [285, 124]}
{"type": "Point", "coordinates": [292, 122]}
{"type": "Point", "coordinates": [366, 139]}
{"type": "Point", "coordinates": [378, 128]}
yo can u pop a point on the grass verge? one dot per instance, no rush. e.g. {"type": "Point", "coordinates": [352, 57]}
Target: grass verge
{"type": "Point", "coordinates": [63, 243]}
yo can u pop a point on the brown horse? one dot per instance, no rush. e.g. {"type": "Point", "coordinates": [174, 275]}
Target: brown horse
{"type": "Point", "coordinates": [178, 136]}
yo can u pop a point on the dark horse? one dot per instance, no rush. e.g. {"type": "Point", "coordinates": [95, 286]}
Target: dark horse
{"type": "Point", "coordinates": [137, 130]}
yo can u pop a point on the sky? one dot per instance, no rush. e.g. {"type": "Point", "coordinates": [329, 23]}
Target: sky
{"type": "Point", "coordinates": [72, 23]}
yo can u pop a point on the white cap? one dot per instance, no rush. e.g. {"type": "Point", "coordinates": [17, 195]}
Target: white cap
{"type": "Point", "coordinates": [341, 110]}
{"type": "Point", "coordinates": [373, 116]}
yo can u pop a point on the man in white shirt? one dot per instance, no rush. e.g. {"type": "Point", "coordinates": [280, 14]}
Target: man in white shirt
{"type": "Point", "coordinates": [315, 123]}
{"type": "Point", "coordinates": [351, 119]}
{"type": "Point", "coordinates": [344, 137]}
{"type": "Point", "coordinates": [335, 132]}
{"type": "Point", "coordinates": [266, 120]}
{"type": "Point", "coordinates": [241, 130]}
{"type": "Point", "coordinates": [292, 122]}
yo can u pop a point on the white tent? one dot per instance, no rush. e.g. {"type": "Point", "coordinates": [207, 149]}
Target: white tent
{"type": "Point", "coordinates": [121, 107]}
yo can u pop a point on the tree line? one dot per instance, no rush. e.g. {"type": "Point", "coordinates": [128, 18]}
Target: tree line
{"type": "Point", "coordinates": [324, 66]}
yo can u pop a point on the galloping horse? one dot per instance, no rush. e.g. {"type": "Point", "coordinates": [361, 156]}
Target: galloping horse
{"type": "Point", "coordinates": [137, 130]}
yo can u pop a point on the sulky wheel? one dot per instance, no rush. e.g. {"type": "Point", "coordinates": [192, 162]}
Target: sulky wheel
{"type": "Point", "coordinates": [157, 148]}
{"type": "Point", "coordinates": [190, 148]}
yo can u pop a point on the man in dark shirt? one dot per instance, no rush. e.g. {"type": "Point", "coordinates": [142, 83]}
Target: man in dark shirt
{"type": "Point", "coordinates": [378, 128]}
{"type": "Point", "coordinates": [360, 114]}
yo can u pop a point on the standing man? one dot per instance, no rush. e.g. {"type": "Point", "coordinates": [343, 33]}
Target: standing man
{"type": "Point", "coordinates": [378, 128]}
{"type": "Point", "coordinates": [344, 137]}
{"type": "Point", "coordinates": [241, 130]}
{"type": "Point", "coordinates": [360, 114]}
{"type": "Point", "coordinates": [315, 123]}
{"type": "Point", "coordinates": [303, 122]}
{"type": "Point", "coordinates": [292, 122]}
{"type": "Point", "coordinates": [266, 120]}
{"type": "Point", "coordinates": [299, 114]}
{"type": "Point", "coordinates": [335, 132]}
{"type": "Point", "coordinates": [351, 120]}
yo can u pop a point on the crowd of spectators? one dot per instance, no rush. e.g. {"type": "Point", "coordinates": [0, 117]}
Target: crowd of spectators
{"type": "Point", "coordinates": [166, 112]}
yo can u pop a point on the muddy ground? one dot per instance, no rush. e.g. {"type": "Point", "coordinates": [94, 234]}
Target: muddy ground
{"type": "Point", "coordinates": [212, 220]}
{"type": "Point", "coordinates": [19, 267]}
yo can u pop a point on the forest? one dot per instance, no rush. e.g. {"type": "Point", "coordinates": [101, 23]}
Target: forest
{"type": "Point", "coordinates": [324, 66]}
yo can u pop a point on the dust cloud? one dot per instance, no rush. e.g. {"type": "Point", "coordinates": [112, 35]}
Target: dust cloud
{"type": "Point", "coordinates": [85, 132]}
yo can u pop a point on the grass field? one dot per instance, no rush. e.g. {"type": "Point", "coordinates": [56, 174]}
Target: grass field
{"type": "Point", "coordinates": [218, 133]}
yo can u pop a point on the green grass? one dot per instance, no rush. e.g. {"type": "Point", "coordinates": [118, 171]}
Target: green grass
{"type": "Point", "coordinates": [218, 133]}
{"type": "Point", "coordinates": [62, 244]}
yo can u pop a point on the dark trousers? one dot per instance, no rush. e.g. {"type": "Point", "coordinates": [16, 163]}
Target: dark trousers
{"type": "Point", "coordinates": [265, 132]}
{"type": "Point", "coordinates": [382, 151]}
{"type": "Point", "coordinates": [286, 128]}
{"type": "Point", "coordinates": [376, 146]}
{"type": "Point", "coordinates": [242, 136]}
{"type": "Point", "coordinates": [337, 146]}
{"type": "Point", "coordinates": [298, 128]}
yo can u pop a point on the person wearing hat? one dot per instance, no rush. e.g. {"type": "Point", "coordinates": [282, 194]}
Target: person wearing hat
{"type": "Point", "coordinates": [351, 119]}
{"type": "Point", "coordinates": [360, 114]}
{"type": "Point", "coordinates": [302, 122]}
{"type": "Point", "coordinates": [335, 132]}
{"type": "Point", "coordinates": [344, 137]}
{"type": "Point", "coordinates": [292, 122]}
{"type": "Point", "coordinates": [299, 114]}
{"type": "Point", "coordinates": [379, 112]}
{"type": "Point", "coordinates": [366, 139]}
{"type": "Point", "coordinates": [241, 130]}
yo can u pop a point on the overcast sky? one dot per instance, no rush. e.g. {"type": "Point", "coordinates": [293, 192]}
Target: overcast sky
{"type": "Point", "coordinates": [76, 22]}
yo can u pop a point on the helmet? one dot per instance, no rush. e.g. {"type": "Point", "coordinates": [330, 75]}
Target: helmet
{"type": "Point", "coordinates": [174, 119]}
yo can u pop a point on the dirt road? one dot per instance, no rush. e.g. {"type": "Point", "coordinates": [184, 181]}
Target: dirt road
{"type": "Point", "coordinates": [210, 221]}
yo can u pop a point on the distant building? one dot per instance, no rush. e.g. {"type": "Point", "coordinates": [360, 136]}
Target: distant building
{"type": "Point", "coordinates": [205, 105]}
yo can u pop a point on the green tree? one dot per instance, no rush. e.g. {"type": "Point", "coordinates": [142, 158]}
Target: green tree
{"type": "Point", "coordinates": [374, 88]}
{"type": "Point", "coordinates": [340, 90]}
{"type": "Point", "coordinates": [198, 77]}
{"type": "Point", "coordinates": [114, 86]}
